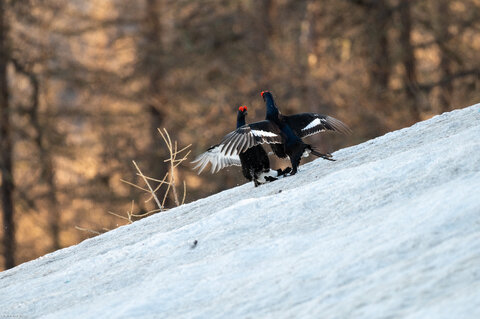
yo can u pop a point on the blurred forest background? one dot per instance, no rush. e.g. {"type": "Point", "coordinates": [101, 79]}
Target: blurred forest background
{"type": "Point", "coordinates": [84, 84]}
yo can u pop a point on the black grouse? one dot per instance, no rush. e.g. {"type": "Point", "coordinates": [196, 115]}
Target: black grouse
{"type": "Point", "coordinates": [295, 127]}
{"type": "Point", "coordinates": [254, 160]}
{"type": "Point", "coordinates": [284, 133]}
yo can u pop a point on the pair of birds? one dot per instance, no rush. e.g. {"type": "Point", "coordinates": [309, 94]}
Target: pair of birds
{"type": "Point", "coordinates": [284, 133]}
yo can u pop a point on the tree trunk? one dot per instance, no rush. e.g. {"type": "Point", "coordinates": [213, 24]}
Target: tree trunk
{"type": "Point", "coordinates": [408, 61]}
{"type": "Point", "coordinates": [308, 38]}
{"type": "Point", "coordinates": [46, 161]}
{"type": "Point", "coordinates": [48, 175]}
{"type": "Point", "coordinates": [7, 186]}
{"type": "Point", "coordinates": [313, 101]}
{"type": "Point", "coordinates": [441, 23]}
{"type": "Point", "coordinates": [155, 101]}
{"type": "Point", "coordinates": [261, 34]}
{"type": "Point", "coordinates": [379, 48]}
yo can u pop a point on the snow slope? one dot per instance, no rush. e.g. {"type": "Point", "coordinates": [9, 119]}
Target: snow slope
{"type": "Point", "coordinates": [389, 230]}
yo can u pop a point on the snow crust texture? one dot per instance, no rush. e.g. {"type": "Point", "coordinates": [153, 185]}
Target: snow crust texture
{"type": "Point", "coordinates": [389, 230]}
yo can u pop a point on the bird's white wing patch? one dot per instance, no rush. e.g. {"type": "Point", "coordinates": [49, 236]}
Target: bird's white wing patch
{"type": "Point", "coordinates": [260, 133]}
{"type": "Point", "coordinates": [313, 123]}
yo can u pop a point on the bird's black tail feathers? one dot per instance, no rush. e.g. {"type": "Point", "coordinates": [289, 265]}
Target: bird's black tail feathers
{"type": "Point", "coordinates": [315, 152]}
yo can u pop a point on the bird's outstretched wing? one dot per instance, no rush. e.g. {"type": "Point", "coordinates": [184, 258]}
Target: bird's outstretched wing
{"type": "Point", "coordinates": [250, 135]}
{"type": "Point", "coordinates": [218, 160]}
{"type": "Point", "coordinates": [306, 124]}
{"type": "Point", "coordinates": [234, 143]}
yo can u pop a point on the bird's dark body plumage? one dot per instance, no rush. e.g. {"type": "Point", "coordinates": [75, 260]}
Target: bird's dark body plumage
{"type": "Point", "coordinates": [294, 127]}
{"type": "Point", "coordinates": [245, 142]}
{"type": "Point", "coordinates": [255, 162]}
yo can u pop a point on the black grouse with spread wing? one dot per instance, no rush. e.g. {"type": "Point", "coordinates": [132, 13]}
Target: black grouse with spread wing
{"type": "Point", "coordinates": [243, 148]}
{"type": "Point", "coordinates": [284, 133]}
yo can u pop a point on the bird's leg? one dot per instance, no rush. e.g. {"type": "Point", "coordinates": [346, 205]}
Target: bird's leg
{"type": "Point", "coordinates": [294, 170]}
{"type": "Point", "coordinates": [295, 160]}
{"type": "Point", "coordinates": [294, 166]}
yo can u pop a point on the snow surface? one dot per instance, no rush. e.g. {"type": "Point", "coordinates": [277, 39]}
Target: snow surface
{"type": "Point", "coordinates": [389, 230]}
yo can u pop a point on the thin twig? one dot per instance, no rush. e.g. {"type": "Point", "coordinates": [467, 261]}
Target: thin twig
{"type": "Point", "coordinates": [184, 192]}
{"type": "Point", "coordinates": [168, 179]}
{"type": "Point", "coordinates": [158, 187]}
{"type": "Point", "coordinates": [146, 213]}
{"type": "Point", "coordinates": [130, 214]}
{"type": "Point", "coordinates": [166, 194]}
{"type": "Point", "coordinates": [88, 230]}
{"type": "Point", "coordinates": [156, 180]}
{"type": "Point", "coordinates": [172, 148]}
{"type": "Point", "coordinates": [183, 149]}
{"type": "Point", "coordinates": [134, 185]}
{"type": "Point", "coordinates": [120, 216]}
{"type": "Point", "coordinates": [148, 185]}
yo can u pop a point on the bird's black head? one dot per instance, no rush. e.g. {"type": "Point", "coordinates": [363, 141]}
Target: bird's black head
{"type": "Point", "coordinates": [272, 110]}
{"type": "Point", "coordinates": [242, 110]}
{"type": "Point", "coordinates": [266, 95]}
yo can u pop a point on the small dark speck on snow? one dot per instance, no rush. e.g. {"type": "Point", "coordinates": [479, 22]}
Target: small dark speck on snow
{"type": "Point", "coordinates": [195, 242]}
